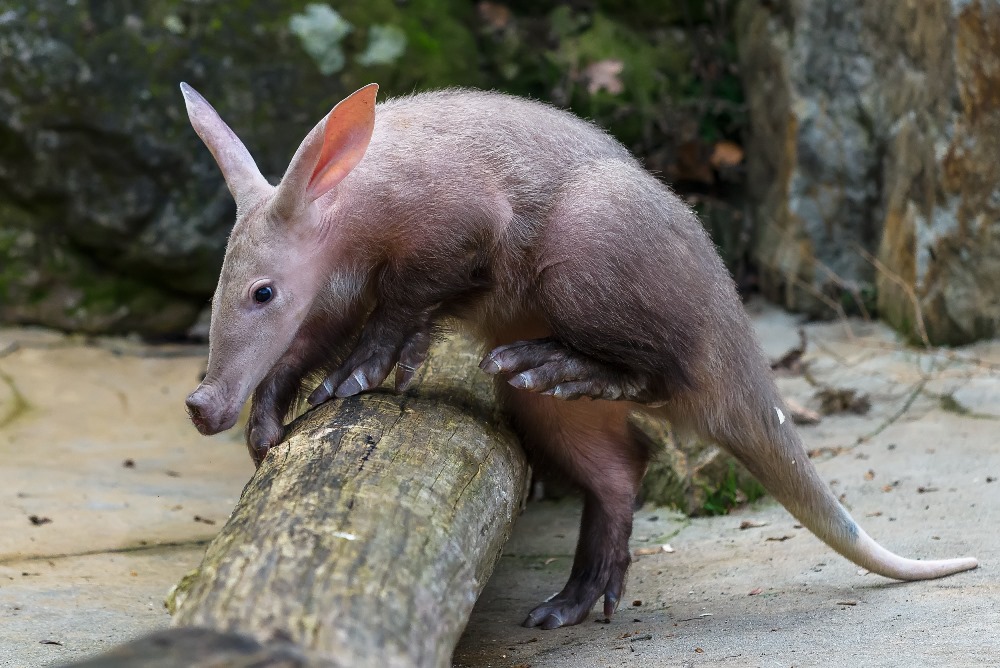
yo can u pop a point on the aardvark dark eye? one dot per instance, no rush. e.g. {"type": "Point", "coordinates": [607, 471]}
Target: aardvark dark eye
{"type": "Point", "coordinates": [263, 295]}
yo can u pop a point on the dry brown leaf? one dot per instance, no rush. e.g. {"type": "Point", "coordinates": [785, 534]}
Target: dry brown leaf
{"type": "Point", "coordinates": [691, 164]}
{"type": "Point", "coordinates": [827, 451]}
{"type": "Point", "coordinates": [843, 400]}
{"type": "Point", "coordinates": [659, 549]}
{"type": "Point", "coordinates": [726, 154]}
{"type": "Point", "coordinates": [496, 15]}
{"type": "Point", "coordinates": [802, 415]}
{"type": "Point", "coordinates": [792, 360]}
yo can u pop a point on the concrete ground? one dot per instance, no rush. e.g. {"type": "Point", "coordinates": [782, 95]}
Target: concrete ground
{"type": "Point", "coordinates": [109, 496]}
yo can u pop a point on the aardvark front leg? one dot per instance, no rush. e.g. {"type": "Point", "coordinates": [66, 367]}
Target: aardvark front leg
{"type": "Point", "coordinates": [397, 338]}
{"type": "Point", "coordinates": [269, 406]}
{"type": "Point", "coordinates": [274, 396]}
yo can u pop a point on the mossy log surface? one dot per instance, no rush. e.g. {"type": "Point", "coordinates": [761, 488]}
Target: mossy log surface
{"type": "Point", "coordinates": [365, 538]}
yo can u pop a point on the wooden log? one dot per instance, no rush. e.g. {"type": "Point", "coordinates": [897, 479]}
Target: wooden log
{"type": "Point", "coordinates": [366, 537]}
{"type": "Point", "coordinates": [204, 648]}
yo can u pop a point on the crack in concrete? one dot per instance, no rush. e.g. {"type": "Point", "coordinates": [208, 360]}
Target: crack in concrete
{"type": "Point", "coordinates": [150, 547]}
{"type": "Point", "coordinates": [916, 391]}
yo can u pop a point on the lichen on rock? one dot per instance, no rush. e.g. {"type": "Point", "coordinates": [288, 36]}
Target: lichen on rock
{"type": "Point", "coordinates": [320, 29]}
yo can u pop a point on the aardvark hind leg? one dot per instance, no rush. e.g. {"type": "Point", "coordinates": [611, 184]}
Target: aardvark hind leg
{"type": "Point", "coordinates": [549, 367]}
{"type": "Point", "coordinates": [590, 442]}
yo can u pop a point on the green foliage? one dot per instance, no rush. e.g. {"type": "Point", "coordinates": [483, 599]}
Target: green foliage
{"type": "Point", "coordinates": [440, 48]}
{"type": "Point", "coordinates": [862, 301]}
{"type": "Point", "coordinates": [652, 87]}
{"type": "Point", "coordinates": [650, 70]}
{"type": "Point", "coordinates": [731, 492]}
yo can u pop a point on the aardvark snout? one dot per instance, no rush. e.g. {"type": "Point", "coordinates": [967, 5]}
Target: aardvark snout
{"type": "Point", "coordinates": [208, 412]}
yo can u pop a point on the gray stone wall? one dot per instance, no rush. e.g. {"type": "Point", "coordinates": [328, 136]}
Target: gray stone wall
{"type": "Point", "coordinates": [872, 159]}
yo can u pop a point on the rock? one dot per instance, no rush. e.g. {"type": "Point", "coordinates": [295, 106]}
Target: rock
{"type": "Point", "coordinates": [113, 216]}
{"type": "Point", "coordinates": [874, 134]}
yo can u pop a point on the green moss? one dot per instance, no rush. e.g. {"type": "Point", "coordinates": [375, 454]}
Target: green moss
{"type": "Point", "coordinates": [119, 304]}
{"type": "Point", "coordinates": [15, 238]}
{"type": "Point", "coordinates": [175, 597]}
{"type": "Point", "coordinates": [950, 404]}
{"type": "Point", "coordinates": [44, 280]}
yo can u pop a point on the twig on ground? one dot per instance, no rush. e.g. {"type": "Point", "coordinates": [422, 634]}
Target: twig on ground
{"type": "Point", "coordinates": [841, 313]}
{"type": "Point", "coordinates": [848, 287]}
{"type": "Point", "coordinates": [907, 289]}
{"type": "Point", "coordinates": [914, 392]}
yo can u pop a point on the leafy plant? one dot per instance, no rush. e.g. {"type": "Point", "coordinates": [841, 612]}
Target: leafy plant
{"type": "Point", "coordinates": [732, 492]}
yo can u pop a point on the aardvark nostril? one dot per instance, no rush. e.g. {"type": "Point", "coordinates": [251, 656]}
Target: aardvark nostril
{"type": "Point", "coordinates": [210, 412]}
{"type": "Point", "coordinates": [196, 407]}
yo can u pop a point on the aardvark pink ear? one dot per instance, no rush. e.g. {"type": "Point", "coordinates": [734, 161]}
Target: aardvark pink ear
{"type": "Point", "coordinates": [238, 168]}
{"type": "Point", "coordinates": [331, 150]}
{"type": "Point", "coordinates": [345, 138]}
